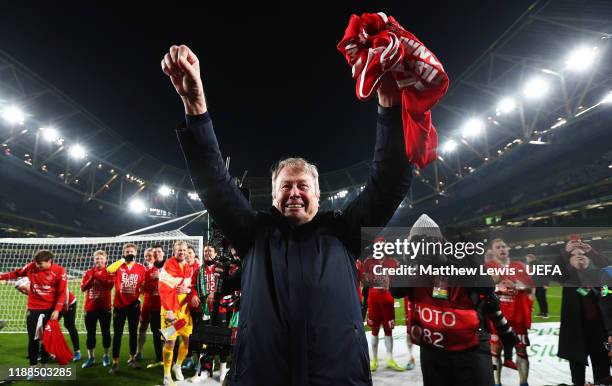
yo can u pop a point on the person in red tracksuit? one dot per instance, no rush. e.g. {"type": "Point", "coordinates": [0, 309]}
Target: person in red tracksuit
{"type": "Point", "coordinates": [381, 310]}
{"type": "Point", "coordinates": [68, 313]}
{"type": "Point", "coordinates": [97, 284]}
{"type": "Point", "coordinates": [151, 305]}
{"type": "Point", "coordinates": [129, 279]}
{"type": "Point", "coordinates": [515, 304]}
{"type": "Point", "coordinates": [46, 298]}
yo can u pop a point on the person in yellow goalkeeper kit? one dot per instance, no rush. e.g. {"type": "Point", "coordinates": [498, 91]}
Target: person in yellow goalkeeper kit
{"type": "Point", "coordinates": [174, 286]}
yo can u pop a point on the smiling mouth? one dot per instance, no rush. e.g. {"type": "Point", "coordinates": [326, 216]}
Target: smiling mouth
{"type": "Point", "coordinates": [294, 206]}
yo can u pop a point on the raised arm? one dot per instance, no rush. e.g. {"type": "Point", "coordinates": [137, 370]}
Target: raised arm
{"type": "Point", "coordinates": [23, 271]}
{"type": "Point", "coordinates": [220, 195]}
{"type": "Point", "coordinates": [391, 172]}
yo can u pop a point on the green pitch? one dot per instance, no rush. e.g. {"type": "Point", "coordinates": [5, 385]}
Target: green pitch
{"type": "Point", "coordinates": [13, 352]}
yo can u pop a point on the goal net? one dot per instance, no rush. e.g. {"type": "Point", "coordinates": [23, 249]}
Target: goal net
{"type": "Point", "coordinates": [76, 256]}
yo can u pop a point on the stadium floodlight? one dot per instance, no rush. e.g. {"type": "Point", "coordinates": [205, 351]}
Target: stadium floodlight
{"type": "Point", "coordinates": [194, 196]}
{"type": "Point", "coordinates": [608, 98]}
{"type": "Point", "coordinates": [472, 128]}
{"type": "Point", "coordinates": [13, 115]}
{"type": "Point", "coordinates": [449, 146]}
{"type": "Point", "coordinates": [165, 191]}
{"type": "Point", "coordinates": [581, 59]}
{"type": "Point", "coordinates": [77, 152]}
{"type": "Point", "coordinates": [136, 205]}
{"type": "Point", "coordinates": [50, 134]}
{"type": "Point", "coordinates": [535, 88]}
{"type": "Point", "coordinates": [505, 106]}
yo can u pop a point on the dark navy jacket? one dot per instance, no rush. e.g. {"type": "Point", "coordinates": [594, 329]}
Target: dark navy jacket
{"type": "Point", "coordinates": [300, 320]}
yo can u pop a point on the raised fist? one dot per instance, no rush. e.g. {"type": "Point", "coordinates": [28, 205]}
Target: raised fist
{"type": "Point", "coordinates": [183, 68]}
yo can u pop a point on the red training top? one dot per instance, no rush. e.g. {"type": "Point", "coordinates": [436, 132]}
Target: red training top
{"type": "Point", "coordinates": [47, 287]}
{"type": "Point", "coordinates": [98, 284]}
{"type": "Point", "coordinates": [128, 283]}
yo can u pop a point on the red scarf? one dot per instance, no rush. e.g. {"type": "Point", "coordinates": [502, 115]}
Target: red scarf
{"type": "Point", "coordinates": [374, 44]}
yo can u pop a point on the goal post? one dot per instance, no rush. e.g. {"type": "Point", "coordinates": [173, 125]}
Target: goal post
{"type": "Point", "coordinates": [75, 254]}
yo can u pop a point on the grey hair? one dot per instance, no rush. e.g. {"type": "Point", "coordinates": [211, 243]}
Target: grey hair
{"type": "Point", "coordinates": [299, 164]}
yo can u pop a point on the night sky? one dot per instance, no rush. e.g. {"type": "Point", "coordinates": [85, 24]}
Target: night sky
{"type": "Point", "coordinates": [276, 85]}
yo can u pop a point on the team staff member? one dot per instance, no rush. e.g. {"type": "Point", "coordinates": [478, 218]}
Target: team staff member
{"type": "Point", "coordinates": [298, 279]}
{"type": "Point", "coordinates": [129, 278]}
{"type": "Point", "coordinates": [97, 284]}
{"type": "Point", "coordinates": [47, 297]}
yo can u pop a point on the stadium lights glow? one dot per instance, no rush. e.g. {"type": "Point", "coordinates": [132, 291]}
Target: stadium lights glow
{"type": "Point", "coordinates": [50, 134]}
{"type": "Point", "coordinates": [472, 128]}
{"type": "Point", "coordinates": [581, 58]}
{"type": "Point", "coordinates": [607, 98]}
{"type": "Point", "coordinates": [77, 152]}
{"type": "Point", "coordinates": [449, 146]}
{"type": "Point", "coordinates": [535, 88]}
{"type": "Point", "coordinates": [13, 115]}
{"type": "Point", "coordinates": [505, 106]}
{"type": "Point", "coordinates": [136, 205]}
{"type": "Point", "coordinates": [560, 122]}
{"type": "Point", "coordinates": [194, 196]}
{"type": "Point", "coordinates": [165, 191]}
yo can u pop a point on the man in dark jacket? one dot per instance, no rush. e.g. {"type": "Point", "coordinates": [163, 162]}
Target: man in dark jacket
{"type": "Point", "coordinates": [300, 318]}
{"type": "Point", "coordinates": [582, 332]}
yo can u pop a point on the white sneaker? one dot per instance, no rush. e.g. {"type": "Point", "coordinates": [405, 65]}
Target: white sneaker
{"type": "Point", "coordinates": [222, 372]}
{"type": "Point", "coordinates": [168, 381]}
{"type": "Point", "coordinates": [178, 372]}
{"type": "Point", "coordinates": [198, 378]}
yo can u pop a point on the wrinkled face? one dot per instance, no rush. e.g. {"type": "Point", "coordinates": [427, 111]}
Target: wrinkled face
{"type": "Point", "coordinates": [99, 260]}
{"type": "Point", "coordinates": [295, 196]}
{"type": "Point", "coordinates": [191, 256]}
{"type": "Point", "coordinates": [180, 252]}
{"type": "Point", "coordinates": [129, 251]}
{"type": "Point", "coordinates": [149, 257]}
{"type": "Point", "coordinates": [43, 265]}
{"type": "Point", "coordinates": [209, 253]}
{"type": "Point", "coordinates": [500, 249]}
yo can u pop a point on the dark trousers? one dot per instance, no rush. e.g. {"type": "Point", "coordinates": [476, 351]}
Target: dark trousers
{"type": "Point", "coordinates": [70, 324]}
{"type": "Point", "coordinates": [91, 320]}
{"type": "Point", "coordinates": [34, 346]}
{"type": "Point", "coordinates": [155, 325]}
{"type": "Point", "coordinates": [594, 335]}
{"type": "Point", "coordinates": [457, 368]}
{"type": "Point", "coordinates": [540, 294]}
{"type": "Point", "coordinates": [132, 314]}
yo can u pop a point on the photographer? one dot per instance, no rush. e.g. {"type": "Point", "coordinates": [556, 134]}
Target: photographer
{"type": "Point", "coordinates": [456, 353]}
{"type": "Point", "coordinates": [582, 329]}
{"type": "Point", "coordinates": [212, 299]}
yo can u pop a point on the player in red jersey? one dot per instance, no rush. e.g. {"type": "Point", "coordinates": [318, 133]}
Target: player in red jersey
{"type": "Point", "coordinates": [151, 306]}
{"type": "Point", "coordinates": [381, 309]}
{"type": "Point", "coordinates": [513, 291]}
{"type": "Point", "coordinates": [97, 284]}
{"type": "Point", "coordinates": [46, 298]}
{"type": "Point", "coordinates": [129, 278]}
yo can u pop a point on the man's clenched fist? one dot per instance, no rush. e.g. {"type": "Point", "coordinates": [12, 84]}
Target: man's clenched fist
{"type": "Point", "coordinates": [183, 68]}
